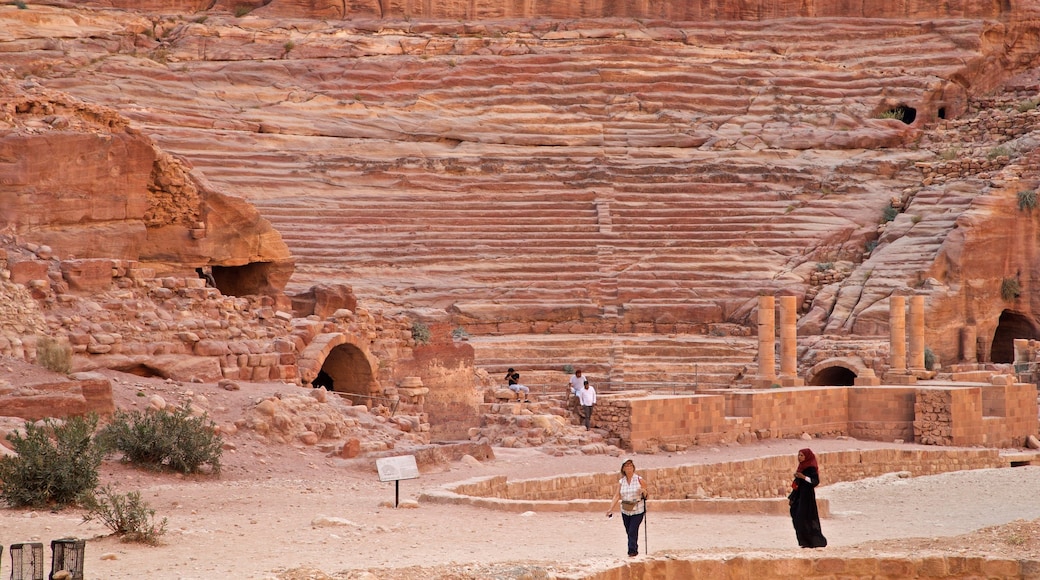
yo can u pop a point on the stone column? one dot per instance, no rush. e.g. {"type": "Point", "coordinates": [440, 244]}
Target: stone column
{"type": "Point", "coordinates": [766, 376]}
{"type": "Point", "coordinates": [917, 334]}
{"type": "Point", "coordinates": [969, 344]}
{"type": "Point", "coordinates": [789, 342]}
{"type": "Point", "coordinates": [897, 334]}
{"type": "Point", "coordinates": [897, 373]}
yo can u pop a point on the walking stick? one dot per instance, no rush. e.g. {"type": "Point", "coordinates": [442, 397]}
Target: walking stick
{"type": "Point", "coordinates": [646, 533]}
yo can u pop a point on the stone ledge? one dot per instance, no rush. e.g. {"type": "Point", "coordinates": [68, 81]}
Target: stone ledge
{"type": "Point", "coordinates": [817, 566]}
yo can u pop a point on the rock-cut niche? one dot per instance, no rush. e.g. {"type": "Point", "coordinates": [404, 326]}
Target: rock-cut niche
{"type": "Point", "coordinates": [246, 280]}
{"type": "Point", "coordinates": [346, 370]}
{"type": "Point", "coordinates": [1011, 326]}
{"type": "Point", "coordinates": [835, 376]}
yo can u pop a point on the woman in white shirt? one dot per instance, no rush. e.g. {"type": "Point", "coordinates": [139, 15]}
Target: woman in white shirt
{"type": "Point", "coordinates": [631, 492]}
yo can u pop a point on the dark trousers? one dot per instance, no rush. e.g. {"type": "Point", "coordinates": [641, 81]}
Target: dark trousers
{"type": "Point", "coordinates": [632, 524]}
{"type": "Point", "coordinates": [586, 416]}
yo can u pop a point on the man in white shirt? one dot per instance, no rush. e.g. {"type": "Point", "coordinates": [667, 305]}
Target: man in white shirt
{"type": "Point", "coordinates": [576, 382]}
{"type": "Point", "coordinates": [587, 398]}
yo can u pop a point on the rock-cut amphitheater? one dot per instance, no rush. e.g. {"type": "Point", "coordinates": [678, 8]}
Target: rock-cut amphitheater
{"type": "Point", "coordinates": [742, 219]}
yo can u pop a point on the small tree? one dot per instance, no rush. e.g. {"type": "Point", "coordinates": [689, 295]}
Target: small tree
{"type": "Point", "coordinates": [126, 515]}
{"type": "Point", "coordinates": [165, 440]}
{"type": "Point", "coordinates": [56, 462]}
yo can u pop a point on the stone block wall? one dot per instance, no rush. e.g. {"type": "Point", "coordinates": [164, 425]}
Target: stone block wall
{"type": "Point", "coordinates": [934, 415]}
{"type": "Point", "coordinates": [1011, 414]}
{"type": "Point", "coordinates": [882, 413]}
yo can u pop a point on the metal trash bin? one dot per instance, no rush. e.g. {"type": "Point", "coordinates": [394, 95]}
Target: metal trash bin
{"type": "Point", "coordinates": [26, 561]}
{"type": "Point", "coordinates": [67, 555]}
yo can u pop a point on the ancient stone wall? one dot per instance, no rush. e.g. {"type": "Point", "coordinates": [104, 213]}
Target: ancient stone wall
{"type": "Point", "coordinates": [764, 477]}
{"type": "Point", "coordinates": [950, 414]}
{"type": "Point", "coordinates": [743, 566]}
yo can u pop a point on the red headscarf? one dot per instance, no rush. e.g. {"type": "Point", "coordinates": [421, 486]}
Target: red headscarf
{"type": "Point", "coordinates": [808, 460]}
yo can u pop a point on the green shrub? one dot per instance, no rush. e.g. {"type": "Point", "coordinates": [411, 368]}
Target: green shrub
{"type": "Point", "coordinates": [824, 266]}
{"type": "Point", "coordinates": [242, 10]}
{"type": "Point", "coordinates": [1027, 105]}
{"type": "Point", "coordinates": [889, 214]}
{"type": "Point", "coordinates": [929, 358]}
{"type": "Point", "coordinates": [54, 354]}
{"type": "Point", "coordinates": [1010, 289]}
{"type": "Point", "coordinates": [420, 333]}
{"type": "Point", "coordinates": [1027, 199]}
{"type": "Point", "coordinates": [998, 151]}
{"type": "Point", "coordinates": [891, 114]}
{"type": "Point", "coordinates": [126, 515]}
{"type": "Point", "coordinates": [870, 245]}
{"type": "Point", "coordinates": [569, 369]}
{"type": "Point", "coordinates": [57, 461]}
{"type": "Point", "coordinates": [173, 440]}
{"type": "Point", "coordinates": [459, 333]}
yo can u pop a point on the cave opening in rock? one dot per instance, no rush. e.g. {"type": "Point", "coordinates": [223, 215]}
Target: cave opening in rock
{"type": "Point", "coordinates": [1012, 325]}
{"type": "Point", "coordinates": [904, 113]}
{"type": "Point", "coordinates": [246, 280]}
{"type": "Point", "coordinates": [836, 376]}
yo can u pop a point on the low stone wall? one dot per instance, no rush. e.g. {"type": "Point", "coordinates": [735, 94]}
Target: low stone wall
{"type": "Point", "coordinates": [996, 415]}
{"type": "Point", "coordinates": [820, 568]}
{"type": "Point", "coordinates": [757, 485]}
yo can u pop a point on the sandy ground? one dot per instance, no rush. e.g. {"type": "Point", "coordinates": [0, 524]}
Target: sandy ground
{"type": "Point", "coordinates": [262, 518]}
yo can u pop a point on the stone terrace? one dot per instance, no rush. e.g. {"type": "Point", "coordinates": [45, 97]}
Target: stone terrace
{"type": "Point", "coordinates": [550, 172]}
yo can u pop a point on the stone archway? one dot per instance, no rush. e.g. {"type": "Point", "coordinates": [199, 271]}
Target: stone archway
{"type": "Point", "coordinates": [1012, 325]}
{"type": "Point", "coordinates": [350, 369]}
{"type": "Point", "coordinates": [836, 372]}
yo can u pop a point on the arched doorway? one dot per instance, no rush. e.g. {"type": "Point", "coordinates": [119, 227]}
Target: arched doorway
{"type": "Point", "coordinates": [335, 361]}
{"type": "Point", "coordinates": [348, 370]}
{"type": "Point", "coordinates": [1012, 325]}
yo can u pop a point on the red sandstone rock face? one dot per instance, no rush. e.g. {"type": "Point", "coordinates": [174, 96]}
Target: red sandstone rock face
{"type": "Point", "coordinates": [702, 10]}
{"type": "Point", "coordinates": [79, 181]}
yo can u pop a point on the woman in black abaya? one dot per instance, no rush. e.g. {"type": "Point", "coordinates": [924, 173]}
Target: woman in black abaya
{"type": "Point", "coordinates": [804, 514]}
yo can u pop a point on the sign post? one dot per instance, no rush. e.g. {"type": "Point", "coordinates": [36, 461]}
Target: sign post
{"type": "Point", "coordinates": [395, 469]}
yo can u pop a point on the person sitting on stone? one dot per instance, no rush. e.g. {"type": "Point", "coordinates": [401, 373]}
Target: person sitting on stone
{"type": "Point", "coordinates": [513, 378]}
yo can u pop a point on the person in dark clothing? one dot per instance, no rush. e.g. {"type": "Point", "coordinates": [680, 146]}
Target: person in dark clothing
{"type": "Point", "coordinates": [322, 381]}
{"type": "Point", "coordinates": [804, 514]}
{"type": "Point", "coordinates": [513, 379]}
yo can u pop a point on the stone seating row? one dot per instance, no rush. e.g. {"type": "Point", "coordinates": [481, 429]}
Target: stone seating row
{"type": "Point", "coordinates": [619, 361]}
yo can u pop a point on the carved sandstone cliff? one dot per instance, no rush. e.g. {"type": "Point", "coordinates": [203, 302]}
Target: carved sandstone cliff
{"type": "Point", "coordinates": [78, 179]}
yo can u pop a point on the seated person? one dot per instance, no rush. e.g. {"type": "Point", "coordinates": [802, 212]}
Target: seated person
{"type": "Point", "coordinates": [513, 378]}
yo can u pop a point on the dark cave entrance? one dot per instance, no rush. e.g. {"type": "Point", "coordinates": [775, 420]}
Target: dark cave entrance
{"type": "Point", "coordinates": [346, 370]}
{"type": "Point", "coordinates": [836, 376]}
{"type": "Point", "coordinates": [1011, 326]}
{"type": "Point", "coordinates": [246, 280]}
